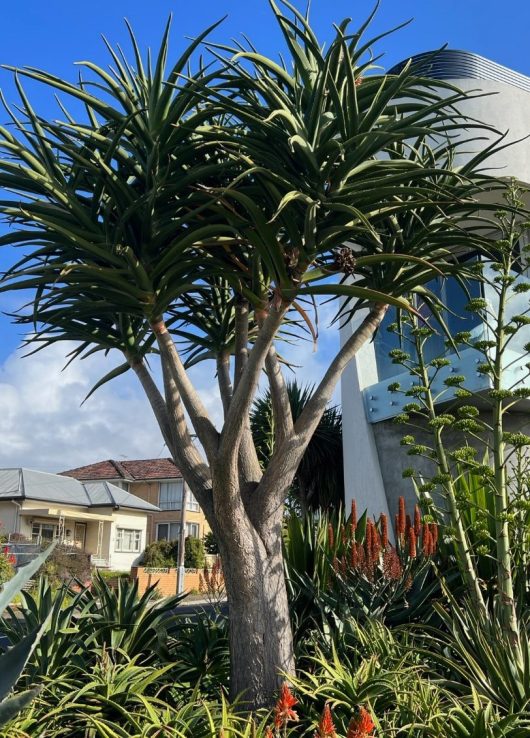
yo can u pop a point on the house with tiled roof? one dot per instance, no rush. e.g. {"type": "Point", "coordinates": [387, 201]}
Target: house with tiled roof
{"type": "Point", "coordinates": [97, 517]}
{"type": "Point", "coordinates": [157, 482]}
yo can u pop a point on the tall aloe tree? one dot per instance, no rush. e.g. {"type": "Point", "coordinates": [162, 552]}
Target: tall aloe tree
{"type": "Point", "coordinates": [195, 212]}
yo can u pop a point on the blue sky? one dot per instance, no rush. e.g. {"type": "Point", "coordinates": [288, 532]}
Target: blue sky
{"type": "Point", "coordinates": [41, 424]}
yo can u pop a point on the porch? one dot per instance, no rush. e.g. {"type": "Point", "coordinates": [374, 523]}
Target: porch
{"type": "Point", "coordinates": [83, 531]}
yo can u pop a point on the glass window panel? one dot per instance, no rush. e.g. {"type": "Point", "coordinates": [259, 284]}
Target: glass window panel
{"type": "Point", "coordinates": [170, 497]}
{"type": "Point", "coordinates": [192, 505]}
{"type": "Point", "coordinates": [128, 540]}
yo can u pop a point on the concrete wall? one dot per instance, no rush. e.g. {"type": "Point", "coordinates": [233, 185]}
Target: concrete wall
{"type": "Point", "coordinates": [394, 458]}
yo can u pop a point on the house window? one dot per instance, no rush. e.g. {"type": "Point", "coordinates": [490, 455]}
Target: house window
{"type": "Point", "coordinates": [128, 540]}
{"type": "Point", "coordinates": [456, 317]}
{"type": "Point", "coordinates": [191, 503]}
{"type": "Point", "coordinates": [170, 497]}
{"type": "Point", "coordinates": [43, 532]}
{"type": "Point", "coordinates": [192, 530]}
{"type": "Point", "coordinates": [167, 531]}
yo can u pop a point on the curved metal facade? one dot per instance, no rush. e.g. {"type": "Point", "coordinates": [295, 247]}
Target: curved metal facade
{"type": "Point", "coordinates": [454, 64]}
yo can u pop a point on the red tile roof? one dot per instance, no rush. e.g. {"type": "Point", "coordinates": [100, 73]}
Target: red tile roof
{"type": "Point", "coordinates": [132, 470]}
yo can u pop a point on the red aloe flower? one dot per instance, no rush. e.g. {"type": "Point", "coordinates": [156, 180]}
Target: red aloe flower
{"type": "Point", "coordinates": [268, 732]}
{"type": "Point", "coordinates": [283, 711]}
{"type": "Point", "coordinates": [326, 727]}
{"type": "Point", "coordinates": [331, 536]}
{"type": "Point", "coordinates": [408, 525]}
{"type": "Point", "coordinates": [383, 520]}
{"type": "Point", "coordinates": [368, 537]}
{"type": "Point", "coordinates": [376, 543]}
{"type": "Point", "coordinates": [392, 568]}
{"type": "Point", "coordinates": [361, 726]}
{"type": "Point", "coordinates": [401, 522]}
{"type": "Point", "coordinates": [434, 535]}
{"type": "Point", "coordinates": [412, 543]}
{"type": "Point", "coordinates": [417, 521]}
{"type": "Point", "coordinates": [427, 540]}
{"type": "Point", "coordinates": [353, 521]}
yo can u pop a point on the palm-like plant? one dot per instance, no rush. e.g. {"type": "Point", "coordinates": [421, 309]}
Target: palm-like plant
{"type": "Point", "coordinates": [319, 481]}
{"type": "Point", "coordinates": [240, 185]}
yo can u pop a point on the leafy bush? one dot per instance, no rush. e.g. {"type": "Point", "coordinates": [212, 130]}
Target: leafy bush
{"type": "Point", "coordinates": [161, 554]}
{"type": "Point", "coordinates": [65, 564]}
{"type": "Point", "coordinates": [194, 557]}
{"type": "Point", "coordinates": [6, 568]}
{"type": "Point", "coordinates": [210, 544]}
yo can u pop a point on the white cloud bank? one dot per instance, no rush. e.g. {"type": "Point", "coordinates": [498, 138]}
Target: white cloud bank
{"type": "Point", "coordinates": [43, 425]}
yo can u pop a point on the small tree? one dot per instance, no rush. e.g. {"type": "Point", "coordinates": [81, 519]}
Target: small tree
{"type": "Point", "coordinates": [200, 214]}
{"type": "Point", "coordinates": [319, 479]}
{"type": "Point", "coordinates": [194, 553]}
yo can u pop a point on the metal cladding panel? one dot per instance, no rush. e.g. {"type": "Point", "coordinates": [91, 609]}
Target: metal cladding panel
{"type": "Point", "coordinates": [10, 483]}
{"type": "Point", "coordinates": [53, 488]}
{"type": "Point", "coordinates": [455, 64]}
{"type": "Point", "coordinates": [97, 493]}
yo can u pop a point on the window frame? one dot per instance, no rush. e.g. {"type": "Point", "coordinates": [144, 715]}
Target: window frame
{"type": "Point", "coordinates": [170, 505]}
{"type": "Point", "coordinates": [136, 540]}
{"type": "Point", "coordinates": [169, 523]}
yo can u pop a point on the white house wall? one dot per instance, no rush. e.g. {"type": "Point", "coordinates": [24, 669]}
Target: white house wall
{"type": "Point", "coordinates": [119, 561]}
{"type": "Point", "coordinates": [362, 473]}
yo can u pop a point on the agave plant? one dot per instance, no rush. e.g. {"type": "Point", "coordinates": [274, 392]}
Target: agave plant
{"type": "Point", "coordinates": [13, 661]}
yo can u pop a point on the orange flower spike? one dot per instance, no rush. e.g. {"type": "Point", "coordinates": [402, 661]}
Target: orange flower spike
{"type": "Point", "coordinates": [283, 711]}
{"type": "Point", "coordinates": [331, 536]}
{"type": "Point", "coordinates": [417, 521]}
{"type": "Point", "coordinates": [376, 543]}
{"type": "Point", "coordinates": [408, 525]}
{"type": "Point", "coordinates": [369, 537]}
{"type": "Point", "coordinates": [412, 543]}
{"type": "Point", "coordinates": [268, 732]}
{"type": "Point", "coordinates": [426, 540]}
{"type": "Point", "coordinates": [401, 522]}
{"type": "Point", "coordinates": [434, 535]}
{"type": "Point", "coordinates": [326, 726]}
{"type": "Point", "coordinates": [336, 564]}
{"type": "Point", "coordinates": [353, 520]}
{"type": "Point", "coordinates": [383, 521]}
{"type": "Point", "coordinates": [361, 726]}
{"type": "Point", "coordinates": [353, 556]}
{"type": "Point", "coordinates": [343, 535]}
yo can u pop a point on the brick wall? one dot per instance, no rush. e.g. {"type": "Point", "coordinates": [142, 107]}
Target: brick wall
{"type": "Point", "coordinates": [166, 579]}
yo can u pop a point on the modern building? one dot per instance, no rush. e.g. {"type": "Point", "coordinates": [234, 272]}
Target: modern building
{"type": "Point", "coordinates": [373, 458]}
{"type": "Point", "coordinates": [158, 482]}
{"type": "Point", "coordinates": [99, 518]}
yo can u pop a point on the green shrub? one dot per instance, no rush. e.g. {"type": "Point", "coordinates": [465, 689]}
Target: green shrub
{"type": "Point", "coordinates": [66, 564]}
{"type": "Point", "coordinates": [194, 557]}
{"type": "Point", "coordinates": [161, 554]}
{"type": "Point", "coordinates": [6, 568]}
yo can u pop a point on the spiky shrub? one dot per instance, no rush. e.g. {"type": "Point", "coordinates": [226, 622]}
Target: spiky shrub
{"type": "Point", "coordinates": [476, 490]}
{"type": "Point", "coordinates": [14, 659]}
{"type": "Point", "coordinates": [340, 567]}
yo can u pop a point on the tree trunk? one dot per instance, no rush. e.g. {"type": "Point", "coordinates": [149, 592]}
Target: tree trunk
{"type": "Point", "coordinates": [261, 644]}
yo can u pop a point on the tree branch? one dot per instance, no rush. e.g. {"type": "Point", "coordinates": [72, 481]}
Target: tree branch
{"type": "Point", "coordinates": [224, 381]}
{"type": "Point", "coordinates": [172, 422]}
{"type": "Point", "coordinates": [281, 406]}
{"type": "Point", "coordinates": [244, 392]}
{"type": "Point", "coordinates": [204, 428]}
{"type": "Point", "coordinates": [286, 458]}
{"type": "Point", "coordinates": [241, 339]}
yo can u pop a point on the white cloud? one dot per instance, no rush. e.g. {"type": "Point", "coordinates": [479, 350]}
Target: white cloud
{"type": "Point", "coordinates": [44, 426]}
